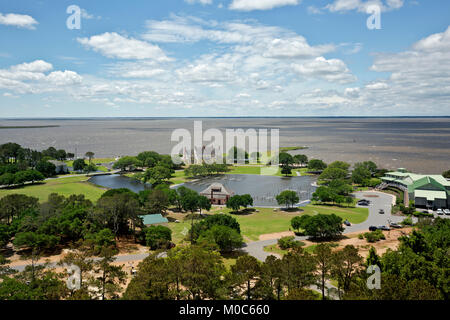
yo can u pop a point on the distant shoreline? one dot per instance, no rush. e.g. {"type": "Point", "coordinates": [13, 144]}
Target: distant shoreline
{"type": "Point", "coordinates": [236, 117]}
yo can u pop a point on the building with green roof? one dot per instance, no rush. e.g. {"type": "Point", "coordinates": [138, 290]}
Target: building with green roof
{"type": "Point", "coordinates": [154, 219]}
{"type": "Point", "coordinates": [427, 191]}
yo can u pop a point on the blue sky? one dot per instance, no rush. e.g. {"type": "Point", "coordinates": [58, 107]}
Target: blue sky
{"type": "Point", "coordinates": [224, 58]}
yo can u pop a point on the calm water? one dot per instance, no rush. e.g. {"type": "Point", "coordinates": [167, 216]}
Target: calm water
{"type": "Point", "coordinates": [419, 144]}
{"type": "Point", "coordinates": [262, 188]}
{"type": "Point", "coordinates": [116, 181]}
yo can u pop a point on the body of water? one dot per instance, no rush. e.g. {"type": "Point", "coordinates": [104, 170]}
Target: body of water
{"type": "Point", "coordinates": [421, 145]}
{"type": "Point", "coordinates": [263, 189]}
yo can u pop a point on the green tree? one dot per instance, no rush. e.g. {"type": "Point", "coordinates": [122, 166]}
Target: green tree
{"type": "Point", "coordinates": [46, 168]}
{"type": "Point", "coordinates": [157, 237]}
{"type": "Point", "coordinates": [110, 276]}
{"type": "Point", "coordinates": [90, 155]}
{"type": "Point", "coordinates": [246, 270]}
{"type": "Point", "coordinates": [322, 226]}
{"type": "Point", "coordinates": [300, 159]}
{"type": "Point", "coordinates": [126, 163]}
{"type": "Point", "coordinates": [157, 175]}
{"type": "Point", "coordinates": [324, 260]}
{"type": "Point", "coordinates": [288, 198]}
{"type": "Point", "coordinates": [226, 238]}
{"type": "Point", "coordinates": [316, 165]}
{"type": "Point", "coordinates": [347, 264]}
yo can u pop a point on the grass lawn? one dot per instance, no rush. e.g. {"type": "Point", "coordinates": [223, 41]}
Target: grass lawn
{"type": "Point", "coordinates": [354, 215]}
{"type": "Point", "coordinates": [275, 249]}
{"type": "Point", "coordinates": [179, 177]}
{"type": "Point", "coordinates": [243, 169]}
{"type": "Point", "coordinates": [269, 221]}
{"type": "Point", "coordinates": [62, 186]}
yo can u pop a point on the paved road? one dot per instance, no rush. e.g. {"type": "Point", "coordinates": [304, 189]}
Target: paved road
{"type": "Point", "coordinates": [256, 248]}
{"type": "Point", "coordinates": [378, 200]}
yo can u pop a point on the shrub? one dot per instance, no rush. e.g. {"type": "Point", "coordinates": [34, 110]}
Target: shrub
{"type": "Point", "coordinates": [226, 238]}
{"type": "Point", "coordinates": [157, 237]}
{"type": "Point", "coordinates": [289, 243]}
{"type": "Point", "coordinates": [360, 236]}
{"type": "Point", "coordinates": [407, 221]}
{"type": "Point", "coordinates": [374, 236]}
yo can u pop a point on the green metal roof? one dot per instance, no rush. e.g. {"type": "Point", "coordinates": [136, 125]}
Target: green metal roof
{"type": "Point", "coordinates": [430, 195]}
{"type": "Point", "coordinates": [154, 219]}
{"type": "Point", "coordinates": [414, 181]}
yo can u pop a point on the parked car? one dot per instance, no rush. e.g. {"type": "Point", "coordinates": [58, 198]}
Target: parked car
{"type": "Point", "coordinates": [384, 228]}
{"type": "Point", "coordinates": [373, 228]}
{"type": "Point", "coordinates": [347, 223]}
{"type": "Point", "coordinates": [447, 212]}
{"type": "Point", "coordinates": [395, 225]}
{"type": "Point", "coordinates": [381, 211]}
{"type": "Point", "coordinates": [440, 212]}
{"type": "Point", "coordinates": [363, 202]}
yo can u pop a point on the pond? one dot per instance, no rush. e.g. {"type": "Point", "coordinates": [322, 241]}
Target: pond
{"type": "Point", "coordinates": [116, 181]}
{"type": "Point", "coordinates": [263, 189]}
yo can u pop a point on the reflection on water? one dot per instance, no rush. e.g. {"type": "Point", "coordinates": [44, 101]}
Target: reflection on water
{"type": "Point", "coordinates": [116, 181]}
{"type": "Point", "coordinates": [263, 189]}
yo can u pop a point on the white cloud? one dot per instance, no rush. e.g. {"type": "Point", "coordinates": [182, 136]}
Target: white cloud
{"type": "Point", "coordinates": [435, 42]}
{"type": "Point", "coordinates": [18, 20]}
{"type": "Point", "coordinates": [334, 70]}
{"type": "Point", "coordinates": [86, 15]}
{"type": "Point", "coordinates": [377, 86]}
{"type": "Point", "coordinates": [64, 78]}
{"type": "Point", "coordinates": [203, 2]}
{"type": "Point", "coordinates": [35, 66]}
{"type": "Point", "coordinates": [250, 5]}
{"type": "Point", "coordinates": [362, 5]}
{"type": "Point", "coordinates": [295, 48]}
{"type": "Point", "coordinates": [32, 78]}
{"type": "Point", "coordinates": [113, 45]}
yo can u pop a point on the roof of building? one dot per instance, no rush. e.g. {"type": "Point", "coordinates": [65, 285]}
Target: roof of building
{"type": "Point", "coordinates": [217, 189]}
{"type": "Point", "coordinates": [430, 195]}
{"type": "Point", "coordinates": [57, 163]}
{"type": "Point", "coordinates": [413, 180]}
{"type": "Point", "coordinates": [154, 219]}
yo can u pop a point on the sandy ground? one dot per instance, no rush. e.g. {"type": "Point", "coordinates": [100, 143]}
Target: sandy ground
{"type": "Point", "coordinates": [363, 246]}
{"type": "Point", "coordinates": [125, 246]}
{"type": "Point", "coordinates": [277, 235]}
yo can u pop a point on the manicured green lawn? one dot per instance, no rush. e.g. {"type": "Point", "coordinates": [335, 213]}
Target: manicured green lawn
{"type": "Point", "coordinates": [269, 221]}
{"type": "Point", "coordinates": [245, 170]}
{"type": "Point", "coordinates": [275, 249]}
{"type": "Point", "coordinates": [62, 186]}
{"type": "Point", "coordinates": [179, 177]}
{"type": "Point", "coordinates": [354, 215]}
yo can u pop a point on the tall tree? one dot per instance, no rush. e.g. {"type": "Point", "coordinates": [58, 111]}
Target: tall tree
{"type": "Point", "coordinates": [245, 271]}
{"type": "Point", "coordinates": [324, 259]}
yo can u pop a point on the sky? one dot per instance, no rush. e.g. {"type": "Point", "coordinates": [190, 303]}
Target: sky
{"type": "Point", "coordinates": [206, 58]}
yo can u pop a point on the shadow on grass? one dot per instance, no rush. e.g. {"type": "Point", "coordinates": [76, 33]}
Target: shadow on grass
{"type": "Point", "coordinates": [233, 254]}
{"type": "Point", "coordinates": [244, 212]}
{"type": "Point", "coordinates": [290, 210]}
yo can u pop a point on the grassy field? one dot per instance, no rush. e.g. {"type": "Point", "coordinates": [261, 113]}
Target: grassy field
{"type": "Point", "coordinates": [254, 169]}
{"type": "Point", "coordinates": [354, 215]}
{"type": "Point", "coordinates": [269, 221]}
{"type": "Point", "coordinates": [94, 161]}
{"type": "Point", "coordinates": [62, 186]}
{"type": "Point", "coordinates": [275, 249]}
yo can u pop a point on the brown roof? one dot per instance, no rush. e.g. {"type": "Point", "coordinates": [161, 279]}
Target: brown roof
{"type": "Point", "coordinates": [217, 189]}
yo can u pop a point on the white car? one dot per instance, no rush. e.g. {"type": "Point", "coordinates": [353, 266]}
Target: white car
{"type": "Point", "coordinates": [447, 212]}
{"type": "Point", "coordinates": [439, 212]}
